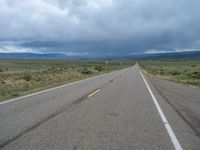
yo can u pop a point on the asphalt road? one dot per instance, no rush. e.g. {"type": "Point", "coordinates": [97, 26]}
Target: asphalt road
{"type": "Point", "coordinates": [118, 111]}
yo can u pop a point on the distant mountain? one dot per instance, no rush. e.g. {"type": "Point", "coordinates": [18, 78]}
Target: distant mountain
{"type": "Point", "coordinates": [32, 55]}
{"type": "Point", "coordinates": [174, 55]}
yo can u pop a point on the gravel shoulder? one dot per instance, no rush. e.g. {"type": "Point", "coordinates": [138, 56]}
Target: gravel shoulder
{"type": "Point", "coordinates": [184, 99]}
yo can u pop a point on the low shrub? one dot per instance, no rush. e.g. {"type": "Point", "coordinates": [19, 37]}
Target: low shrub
{"type": "Point", "coordinates": [27, 77]}
{"type": "Point", "coordinates": [194, 74]}
{"type": "Point", "coordinates": [86, 71]}
{"type": "Point", "coordinates": [193, 65]}
{"type": "Point", "coordinates": [99, 68]}
{"type": "Point", "coordinates": [175, 72]}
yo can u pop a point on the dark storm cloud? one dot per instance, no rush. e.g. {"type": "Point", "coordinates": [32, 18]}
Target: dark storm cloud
{"type": "Point", "coordinates": [115, 27]}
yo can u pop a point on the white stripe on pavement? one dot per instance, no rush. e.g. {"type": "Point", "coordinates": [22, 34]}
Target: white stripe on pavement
{"type": "Point", "coordinates": [173, 138]}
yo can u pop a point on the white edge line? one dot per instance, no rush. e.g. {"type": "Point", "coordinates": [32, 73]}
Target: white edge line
{"type": "Point", "coordinates": [50, 89]}
{"type": "Point", "coordinates": [173, 138]}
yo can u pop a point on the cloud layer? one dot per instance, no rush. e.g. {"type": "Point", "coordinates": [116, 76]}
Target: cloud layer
{"type": "Point", "coordinates": [101, 26]}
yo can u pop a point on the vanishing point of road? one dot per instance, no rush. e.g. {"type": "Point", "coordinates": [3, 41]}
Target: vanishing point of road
{"type": "Point", "coordinates": [121, 110]}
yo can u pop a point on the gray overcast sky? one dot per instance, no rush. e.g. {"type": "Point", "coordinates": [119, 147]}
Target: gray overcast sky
{"type": "Point", "coordinates": [99, 27]}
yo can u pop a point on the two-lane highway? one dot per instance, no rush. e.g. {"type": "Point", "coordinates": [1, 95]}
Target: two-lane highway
{"type": "Point", "coordinates": [117, 110]}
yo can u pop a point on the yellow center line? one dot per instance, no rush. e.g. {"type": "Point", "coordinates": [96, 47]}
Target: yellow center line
{"type": "Point", "coordinates": [93, 93]}
{"type": "Point", "coordinates": [114, 79]}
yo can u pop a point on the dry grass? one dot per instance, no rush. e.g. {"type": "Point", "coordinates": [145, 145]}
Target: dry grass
{"type": "Point", "coordinates": [21, 76]}
{"type": "Point", "coordinates": [187, 71]}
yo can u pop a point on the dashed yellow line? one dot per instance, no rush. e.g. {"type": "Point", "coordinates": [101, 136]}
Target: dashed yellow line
{"type": "Point", "coordinates": [113, 80]}
{"type": "Point", "coordinates": [93, 93]}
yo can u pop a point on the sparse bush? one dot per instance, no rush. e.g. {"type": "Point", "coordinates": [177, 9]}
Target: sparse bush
{"type": "Point", "coordinates": [193, 65]}
{"type": "Point", "coordinates": [1, 70]}
{"type": "Point", "coordinates": [2, 81]}
{"type": "Point", "coordinates": [142, 65]}
{"type": "Point", "coordinates": [86, 71]}
{"type": "Point", "coordinates": [175, 72]}
{"type": "Point", "coordinates": [194, 74]}
{"type": "Point", "coordinates": [162, 71]}
{"type": "Point", "coordinates": [99, 68]}
{"type": "Point", "coordinates": [27, 77]}
{"type": "Point", "coordinates": [15, 94]}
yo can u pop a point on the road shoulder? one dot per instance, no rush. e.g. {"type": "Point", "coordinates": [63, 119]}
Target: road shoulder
{"type": "Point", "coordinates": [185, 134]}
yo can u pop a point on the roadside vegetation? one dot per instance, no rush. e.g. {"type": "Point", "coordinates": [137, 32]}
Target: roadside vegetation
{"type": "Point", "coordinates": [184, 71]}
{"type": "Point", "coordinates": [22, 76]}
